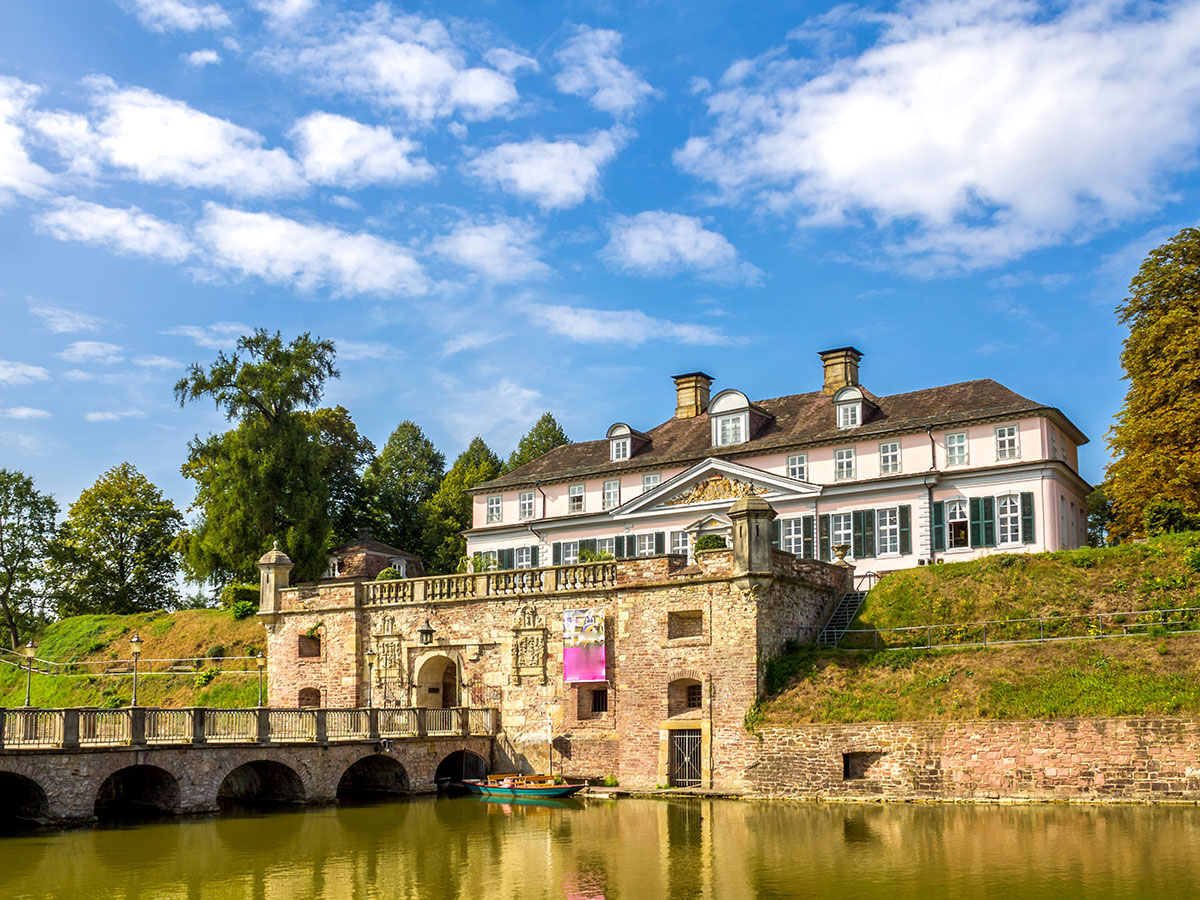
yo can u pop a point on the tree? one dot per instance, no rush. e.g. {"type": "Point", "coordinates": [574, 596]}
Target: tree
{"type": "Point", "coordinates": [1155, 451]}
{"type": "Point", "coordinates": [347, 456]}
{"type": "Point", "coordinates": [448, 511]}
{"type": "Point", "coordinates": [26, 529]}
{"type": "Point", "coordinates": [1099, 519]}
{"type": "Point", "coordinates": [399, 482]}
{"type": "Point", "coordinates": [113, 554]}
{"type": "Point", "coordinates": [544, 436]}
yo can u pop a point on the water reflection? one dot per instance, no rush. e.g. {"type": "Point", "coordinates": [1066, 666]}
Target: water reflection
{"type": "Point", "coordinates": [623, 850]}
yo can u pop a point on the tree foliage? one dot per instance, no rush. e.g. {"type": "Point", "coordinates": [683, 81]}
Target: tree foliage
{"type": "Point", "coordinates": [544, 436]}
{"type": "Point", "coordinates": [26, 529]}
{"type": "Point", "coordinates": [113, 554]}
{"type": "Point", "coordinates": [1099, 519]}
{"type": "Point", "coordinates": [1156, 454]}
{"type": "Point", "coordinates": [448, 511]}
{"type": "Point", "coordinates": [400, 481]}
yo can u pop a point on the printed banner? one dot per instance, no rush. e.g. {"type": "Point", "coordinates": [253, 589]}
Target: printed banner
{"type": "Point", "coordinates": [583, 645]}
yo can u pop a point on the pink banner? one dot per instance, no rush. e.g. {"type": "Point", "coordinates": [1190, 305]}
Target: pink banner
{"type": "Point", "coordinates": [583, 645]}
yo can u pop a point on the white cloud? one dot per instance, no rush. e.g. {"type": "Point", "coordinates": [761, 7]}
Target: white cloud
{"type": "Point", "coordinates": [18, 173]}
{"type": "Point", "coordinates": [24, 412]}
{"type": "Point", "coordinates": [662, 243]}
{"type": "Point", "coordinates": [217, 336]}
{"type": "Point", "coordinates": [157, 362]}
{"type": "Point", "coordinates": [504, 250]}
{"type": "Point", "coordinates": [60, 320]}
{"type": "Point", "coordinates": [113, 415]}
{"type": "Point", "coordinates": [503, 402]}
{"type": "Point", "coordinates": [978, 131]}
{"type": "Point", "coordinates": [553, 174]}
{"type": "Point", "coordinates": [121, 230]}
{"type": "Point", "coordinates": [358, 350]}
{"type": "Point", "coordinates": [178, 15]}
{"type": "Point", "coordinates": [100, 352]}
{"type": "Point", "coordinates": [509, 61]}
{"type": "Point", "coordinates": [78, 375]}
{"type": "Point", "coordinates": [14, 373]}
{"type": "Point", "coordinates": [337, 150]}
{"type": "Point", "coordinates": [71, 136]}
{"type": "Point", "coordinates": [308, 256]}
{"type": "Point", "coordinates": [283, 12]}
{"type": "Point", "coordinates": [198, 59]}
{"type": "Point", "coordinates": [405, 63]}
{"type": "Point", "coordinates": [25, 443]}
{"type": "Point", "coordinates": [631, 327]}
{"type": "Point", "coordinates": [591, 69]}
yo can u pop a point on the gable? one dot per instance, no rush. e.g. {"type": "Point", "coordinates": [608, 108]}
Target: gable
{"type": "Point", "coordinates": [716, 483]}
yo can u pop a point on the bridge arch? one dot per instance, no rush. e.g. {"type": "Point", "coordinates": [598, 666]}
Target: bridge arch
{"type": "Point", "coordinates": [262, 781]}
{"type": "Point", "coordinates": [23, 802]}
{"type": "Point", "coordinates": [374, 774]}
{"type": "Point", "coordinates": [137, 790]}
{"type": "Point", "coordinates": [458, 765]}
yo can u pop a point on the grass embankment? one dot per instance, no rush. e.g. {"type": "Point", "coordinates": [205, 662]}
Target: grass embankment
{"type": "Point", "coordinates": [171, 636]}
{"type": "Point", "coordinates": [1148, 674]}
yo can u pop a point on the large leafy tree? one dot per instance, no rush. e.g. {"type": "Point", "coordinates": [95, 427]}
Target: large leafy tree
{"type": "Point", "coordinates": [113, 554]}
{"type": "Point", "coordinates": [399, 482]}
{"type": "Point", "coordinates": [448, 511]}
{"type": "Point", "coordinates": [544, 436]}
{"type": "Point", "coordinates": [1155, 444]}
{"type": "Point", "coordinates": [26, 529]}
{"type": "Point", "coordinates": [347, 455]}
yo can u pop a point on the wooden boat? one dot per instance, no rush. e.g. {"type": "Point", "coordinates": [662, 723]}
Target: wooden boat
{"type": "Point", "coordinates": [520, 786]}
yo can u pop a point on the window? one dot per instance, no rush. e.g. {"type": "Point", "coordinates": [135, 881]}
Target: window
{"type": "Point", "coordinates": [843, 464]}
{"type": "Point", "coordinates": [841, 531]}
{"type": "Point", "coordinates": [308, 697]}
{"type": "Point", "coordinates": [793, 536]}
{"type": "Point", "coordinates": [1007, 445]}
{"type": "Point", "coordinates": [956, 449]}
{"type": "Point", "coordinates": [679, 543]}
{"type": "Point", "coordinates": [797, 466]}
{"type": "Point", "coordinates": [493, 509]}
{"type": "Point", "coordinates": [957, 526]}
{"type": "Point", "coordinates": [619, 449]}
{"type": "Point", "coordinates": [645, 545]}
{"type": "Point", "coordinates": [612, 493]}
{"type": "Point", "coordinates": [887, 531]}
{"type": "Point", "coordinates": [1010, 520]}
{"type": "Point", "coordinates": [731, 430]}
{"type": "Point", "coordinates": [523, 558]}
{"type": "Point", "coordinates": [599, 700]}
{"type": "Point", "coordinates": [685, 624]}
{"type": "Point", "coordinates": [308, 646]}
{"type": "Point", "coordinates": [607, 545]}
{"type": "Point", "coordinates": [525, 504]}
{"type": "Point", "coordinates": [493, 559]}
{"type": "Point", "coordinates": [575, 498]}
{"type": "Point", "coordinates": [889, 458]}
{"type": "Point", "coordinates": [849, 415]}
{"type": "Point", "coordinates": [1053, 443]}
{"type": "Point", "coordinates": [694, 696]}
{"type": "Point", "coordinates": [649, 482]}
{"type": "Point", "coordinates": [570, 553]}
{"type": "Point", "coordinates": [1074, 529]}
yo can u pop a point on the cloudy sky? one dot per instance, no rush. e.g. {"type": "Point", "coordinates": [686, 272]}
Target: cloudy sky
{"type": "Point", "coordinates": [496, 209]}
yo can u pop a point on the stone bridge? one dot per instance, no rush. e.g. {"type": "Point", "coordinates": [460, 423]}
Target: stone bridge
{"type": "Point", "coordinates": [63, 766]}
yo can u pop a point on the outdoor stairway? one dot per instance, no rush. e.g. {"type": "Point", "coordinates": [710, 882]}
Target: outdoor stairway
{"type": "Point", "coordinates": [843, 615]}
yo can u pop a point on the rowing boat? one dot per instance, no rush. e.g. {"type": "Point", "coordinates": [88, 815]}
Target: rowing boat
{"type": "Point", "coordinates": [520, 786]}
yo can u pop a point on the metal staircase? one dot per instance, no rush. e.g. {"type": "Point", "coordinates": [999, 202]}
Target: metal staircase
{"type": "Point", "coordinates": [843, 615]}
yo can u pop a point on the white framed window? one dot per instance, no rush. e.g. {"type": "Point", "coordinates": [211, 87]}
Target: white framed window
{"type": "Point", "coordinates": [849, 415]}
{"type": "Point", "coordinates": [889, 458]}
{"type": "Point", "coordinates": [887, 531]}
{"type": "Point", "coordinates": [956, 448]}
{"type": "Point", "coordinates": [619, 449]}
{"type": "Point", "coordinates": [612, 493]}
{"type": "Point", "coordinates": [1008, 445]}
{"type": "Point", "coordinates": [523, 558]}
{"type": "Point", "coordinates": [843, 464]}
{"type": "Point", "coordinates": [645, 545]}
{"type": "Point", "coordinates": [797, 466]}
{"type": "Point", "coordinates": [651, 481]}
{"type": "Point", "coordinates": [841, 531]}
{"type": "Point", "coordinates": [570, 553]}
{"type": "Point", "coordinates": [606, 545]}
{"type": "Point", "coordinates": [957, 525]}
{"type": "Point", "coordinates": [679, 543]}
{"type": "Point", "coordinates": [575, 498]}
{"type": "Point", "coordinates": [1053, 442]}
{"type": "Point", "coordinates": [793, 536]}
{"type": "Point", "coordinates": [1008, 520]}
{"type": "Point", "coordinates": [493, 558]}
{"type": "Point", "coordinates": [525, 506]}
{"type": "Point", "coordinates": [731, 429]}
{"type": "Point", "coordinates": [493, 509]}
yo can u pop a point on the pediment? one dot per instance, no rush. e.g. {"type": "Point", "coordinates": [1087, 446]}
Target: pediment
{"type": "Point", "coordinates": [715, 484]}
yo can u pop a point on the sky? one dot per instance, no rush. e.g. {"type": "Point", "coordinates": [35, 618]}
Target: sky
{"type": "Point", "coordinates": [498, 209]}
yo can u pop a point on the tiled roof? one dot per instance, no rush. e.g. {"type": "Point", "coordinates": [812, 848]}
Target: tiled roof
{"type": "Point", "coordinates": [798, 420]}
{"type": "Point", "coordinates": [370, 545]}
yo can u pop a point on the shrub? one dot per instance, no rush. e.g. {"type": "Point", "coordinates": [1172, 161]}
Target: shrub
{"type": "Point", "coordinates": [203, 679]}
{"type": "Point", "coordinates": [610, 781]}
{"type": "Point", "coordinates": [215, 652]}
{"type": "Point", "coordinates": [1191, 558]}
{"type": "Point", "coordinates": [238, 592]}
{"type": "Point", "coordinates": [1166, 516]}
{"type": "Point", "coordinates": [244, 609]}
{"type": "Point", "coordinates": [589, 555]}
{"type": "Point", "coordinates": [710, 542]}
{"type": "Point", "coordinates": [388, 574]}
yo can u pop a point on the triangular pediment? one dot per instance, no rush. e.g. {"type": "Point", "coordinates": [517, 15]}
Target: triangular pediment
{"type": "Point", "coordinates": [715, 484]}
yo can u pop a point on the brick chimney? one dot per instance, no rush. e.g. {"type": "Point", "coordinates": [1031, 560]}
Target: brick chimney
{"type": "Point", "coordinates": [841, 368]}
{"type": "Point", "coordinates": [691, 394]}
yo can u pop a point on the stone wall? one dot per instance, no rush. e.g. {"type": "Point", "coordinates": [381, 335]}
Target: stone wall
{"type": "Point", "coordinates": [1085, 759]}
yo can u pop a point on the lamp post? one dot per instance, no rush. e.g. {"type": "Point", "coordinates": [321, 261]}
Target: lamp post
{"type": "Point", "coordinates": [135, 647]}
{"type": "Point", "coordinates": [29, 650]}
{"type": "Point", "coordinates": [261, 662]}
{"type": "Point", "coordinates": [370, 654]}
{"type": "Point", "coordinates": [425, 633]}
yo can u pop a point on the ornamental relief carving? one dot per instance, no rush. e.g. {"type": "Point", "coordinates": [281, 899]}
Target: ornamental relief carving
{"type": "Point", "coordinates": [719, 487]}
{"type": "Point", "coordinates": [529, 645]}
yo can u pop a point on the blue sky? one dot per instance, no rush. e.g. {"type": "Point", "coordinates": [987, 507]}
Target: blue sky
{"type": "Point", "coordinates": [498, 209]}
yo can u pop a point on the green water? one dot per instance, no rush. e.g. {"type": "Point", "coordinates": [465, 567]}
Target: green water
{"type": "Point", "coordinates": [628, 849]}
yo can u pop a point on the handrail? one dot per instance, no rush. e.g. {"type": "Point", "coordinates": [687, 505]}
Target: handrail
{"type": "Point", "coordinates": [494, 583]}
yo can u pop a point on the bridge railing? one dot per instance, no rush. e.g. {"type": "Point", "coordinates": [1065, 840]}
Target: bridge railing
{"type": "Point", "coordinates": [597, 576]}
{"type": "Point", "coordinates": [33, 729]}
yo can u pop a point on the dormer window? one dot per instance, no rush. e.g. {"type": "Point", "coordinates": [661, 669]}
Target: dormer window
{"type": "Point", "coordinates": [849, 403]}
{"type": "Point", "coordinates": [624, 442]}
{"type": "Point", "coordinates": [620, 449]}
{"type": "Point", "coordinates": [734, 419]}
{"type": "Point", "coordinates": [731, 429]}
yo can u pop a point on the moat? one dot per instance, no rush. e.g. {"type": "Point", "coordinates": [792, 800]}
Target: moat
{"type": "Point", "coordinates": [631, 848]}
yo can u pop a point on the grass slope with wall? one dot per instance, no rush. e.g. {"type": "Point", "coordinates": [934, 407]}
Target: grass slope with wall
{"type": "Point", "coordinates": [203, 633]}
{"type": "Point", "coordinates": [1150, 674]}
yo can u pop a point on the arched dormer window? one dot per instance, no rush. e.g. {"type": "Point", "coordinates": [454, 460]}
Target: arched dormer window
{"type": "Point", "coordinates": [729, 413]}
{"type": "Point", "coordinates": [624, 442]}
{"type": "Point", "coordinates": [849, 403]}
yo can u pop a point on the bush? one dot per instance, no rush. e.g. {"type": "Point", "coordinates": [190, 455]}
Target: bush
{"type": "Point", "coordinates": [203, 679]}
{"type": "Point", "coordinates": [238, 592]}
{"type": "Point", "coordinates": [710, 542]}
{"type": "Point", "coordinates": [244, 609]}
{"type": "Point", "coordinates": [215, 652]}
{"type": "Point", "coordinates": [1167, 516]}
{"type": "Point", "coordinates": [388, 574]}
{"type": "Point", "coordinates": [589, 555]}
{"type": "Point", "coordinates": [610, 781]}
{"type": "Point", "coordinates": [1191, 558]}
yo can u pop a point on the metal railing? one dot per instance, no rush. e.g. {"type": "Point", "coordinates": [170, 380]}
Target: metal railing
{"type": "Point", "coordinates": [1032, 630]}
{"type": "Point", "coordinates": [398, 722]}
{"type": "Point", "coordinates": [507, 583]}
{"type": "Point", "coordinates": [146, 668]}
{"type": "Point", "coordinates": [33, 728]}
{"type": "Point", "coordinates": [169, 726]}
{"type": "Point", "coordinates": [104, 727]}
{"type": "Point", "coordinates": [347, 724]}
{"type": "Point", "coordinates": [230, 725]}
{"type": "Point", "coordinates": [443, 721]}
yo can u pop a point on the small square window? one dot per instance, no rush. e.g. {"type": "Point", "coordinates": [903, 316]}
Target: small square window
{"type": "Point", "coordinates": [599, 700]}
{"type": "Point", "coordinates": [575, 498]}
{"type": "Point", "coordinates": [524, 558]}
{"type": "Point", "coordinates": [731, 429]}
{"type": "Point", "coordinates": [1007, 443]}
{"type": "Point", "coordinates": [493, 509]}
{"type": "Point", "coordinates": [848, 415]}
{"type": "Point", "coordinates": [612, 493]}
{"type": "Point", "coordinates": [570, 553]}
{"type": "Point", "coordinates": [694, 696]}
{"type": "Point", "coordinates": [679, 543]}
{"type": "Point", "coordinates": [797, 466]}
{"type": "Point", "coordinates": [607, 545]}
{"type": "Point", "coordinates": [650, 482]}
{"type": "Point", "coordinates": [525, 504]}
{"type": "Point", "coordinates": [889, 458]}
{"type": "Point", "coordinates": [956, 449]}
{"type": "Point", "coordinates": [620, 449]}
{"type": "Point", "coordinates": [645, 545]}
{"type": "Point", "coordinates": [685, 624]}
{"type": "Point", "coordinates": [843, 464]}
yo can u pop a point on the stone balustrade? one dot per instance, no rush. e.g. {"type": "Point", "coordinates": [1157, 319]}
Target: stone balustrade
{"type": "Point", "coordinates": [69, 729]}
{"type": "Point", "coordinates": [599, 576]}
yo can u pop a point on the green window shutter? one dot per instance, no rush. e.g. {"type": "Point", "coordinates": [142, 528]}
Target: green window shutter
{"type": "Point", "coordinates": [507, 558]}
{"type": "Point", "coordinates": [939, 525]}
{"type": "Point", "coordinates": [808, 537]}
{"type": "Point", "coordinates": [589, 544]}
{"type": "Point", "coordinates": [906, 529]}
{"type": "Point", "coordinates": [1027, 536]}
{"type": "Point", "coordinates": [857, 548]}
{"type": "Point", "coordinates": [660, 542]}
{"type": "Point", "coordinates": [619, 546]}
{"type": "Point", "coordinates": [989, 521]}
{"type": "Point", "coordinates": [556, 548]}
{"type": "Point", "coordinates": [975, 511]}
{"type": "Point", "coordinates": [777, 534]}
{"type": "Point", "coordinates": [824, 538]}
{"type": "Point", "coordinates": [533, 556]}
{"type": "Point", "coordinates": [868, 532]}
